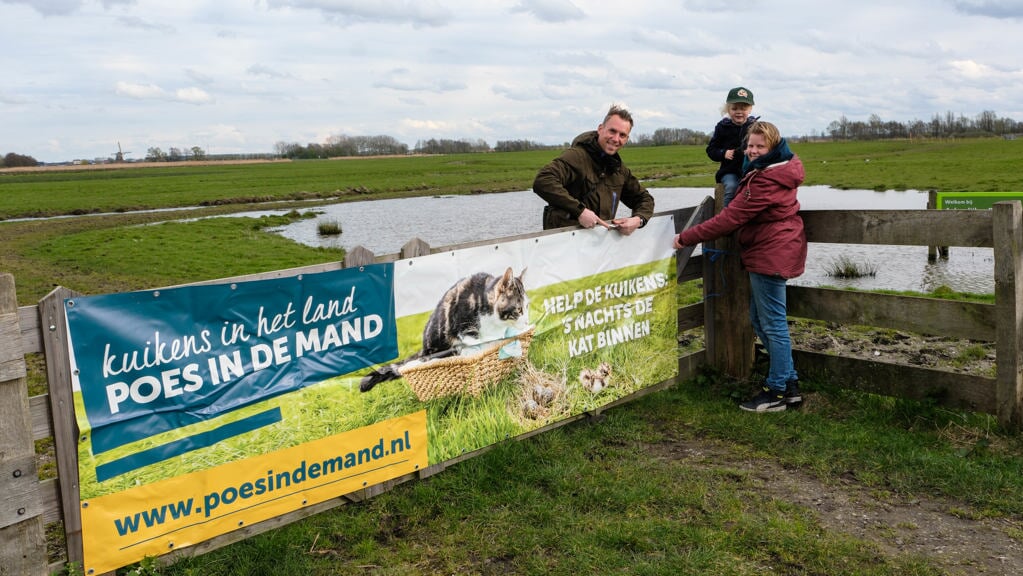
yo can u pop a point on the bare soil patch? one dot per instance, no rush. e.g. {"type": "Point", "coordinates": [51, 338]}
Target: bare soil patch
{"type": "Point", "coordinates": [947, 533]}
{"type": "Point", "coordinates": [896, 525]}
{"type": "Point", "coordinates": [943, 353]}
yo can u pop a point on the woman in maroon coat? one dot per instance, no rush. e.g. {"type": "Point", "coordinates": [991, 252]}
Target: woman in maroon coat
{"type": "Point", "coordinates": [772, 247]}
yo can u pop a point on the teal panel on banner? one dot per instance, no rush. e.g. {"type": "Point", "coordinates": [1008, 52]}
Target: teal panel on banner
{"type": "Point", "coordinates": [187, 444]}
{"type": "Point", "coordinates": [153, 361]}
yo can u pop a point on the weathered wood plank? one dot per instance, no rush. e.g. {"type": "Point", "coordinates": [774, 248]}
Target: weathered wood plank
{"type": "Point", "coordinates": [49, 493]}
{"type": "Point", "coordinates": [726, 295]}
{"type": "Point", "coordinates": [1008, 226]}
{"type": "Point", "coordinates": [690, 317]}
{"type": "Point", "coordinates": [358, 256]}
{"type": "Point", "coordinates": [900, 227]}
{"type": "Point", "coordinates": [687, 218]}
{"type": "Point", "coordinates": [42, 423]}
{"type": "Point", "coordinates": [273, 274]}
{"type": "Point", "coordinates": [414, 248]}
{"type": "Point", "coordinates": [970, 320]}
{"type": "Point", "coordinates": [22, 541]}
{"type": "Point", "coordinates": [19, 484]}
{"type": "Point", "coordinates": [693, 269]}
{"type": "Point", "coordinates": [12, 359]}
{"type": "Point", "coordinates": [960, 391]}
{"type": "Point", "coordinates": [31, 340]}
{"type": "Point", "coordinates": [65, 428]}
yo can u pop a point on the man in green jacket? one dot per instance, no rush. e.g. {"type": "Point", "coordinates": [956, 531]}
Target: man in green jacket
{"type": "Point", "coordinates": [587, 182]}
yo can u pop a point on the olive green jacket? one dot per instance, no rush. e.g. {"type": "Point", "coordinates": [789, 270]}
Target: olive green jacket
{"type": "Point", "coordinates": [585, 177]}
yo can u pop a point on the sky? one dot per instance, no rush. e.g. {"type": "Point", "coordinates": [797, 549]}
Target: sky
{"type": "Point", "coordinates": [82, 77]}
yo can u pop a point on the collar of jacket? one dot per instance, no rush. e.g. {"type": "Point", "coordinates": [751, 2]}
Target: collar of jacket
{"type": "Point", "coordinates": [588, 141]}
{"type": "Point", "coordinates": [778, 155]}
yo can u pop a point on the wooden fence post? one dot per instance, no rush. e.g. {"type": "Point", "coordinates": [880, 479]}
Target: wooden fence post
{"type": "Point", "coordinates": [62, 406]}
{"type": "Point", "coordinates": [22, 540]}
{"type": "Point", "coordinates": [934, 251]}
{"type": "Point", "coordinates": [414, 248]}
{"type": "Point", "coordinates": [1008, 250]}
{"type": "Point", "coordinates": [726, 294]}
{"type": "Point", "coordinates": [358, 256]}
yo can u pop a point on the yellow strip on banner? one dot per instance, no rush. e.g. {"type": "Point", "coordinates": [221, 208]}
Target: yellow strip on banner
{"type": "Point", "coordinates": [122, 528]}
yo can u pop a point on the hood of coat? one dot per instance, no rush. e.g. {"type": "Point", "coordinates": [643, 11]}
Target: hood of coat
{"type": "Point", "coordinates": [787, 174]}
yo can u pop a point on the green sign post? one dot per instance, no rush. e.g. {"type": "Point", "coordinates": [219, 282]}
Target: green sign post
{"type": "Point", "coordinates": [973, 200]}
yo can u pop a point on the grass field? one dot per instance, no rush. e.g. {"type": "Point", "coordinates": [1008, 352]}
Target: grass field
{"type": "Point", "coordinates": [111, 253]}
{"type": "Point", "coordinates": [613, 496]}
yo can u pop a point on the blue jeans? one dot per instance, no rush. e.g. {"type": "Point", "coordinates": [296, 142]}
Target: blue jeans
{"type": "Point", "coordinates": [767, 312]}
{"type": "Point", "coordinates": [731, 183]}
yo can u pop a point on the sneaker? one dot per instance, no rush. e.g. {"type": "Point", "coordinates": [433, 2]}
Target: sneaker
{"type": "Point", "coordinates": [766, 401]}
{"type": "Point", "coordinates": [793, 397]}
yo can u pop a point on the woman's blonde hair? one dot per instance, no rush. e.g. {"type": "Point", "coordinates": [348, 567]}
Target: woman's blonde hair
{"type": "Point", "coordinates": [769, 131]}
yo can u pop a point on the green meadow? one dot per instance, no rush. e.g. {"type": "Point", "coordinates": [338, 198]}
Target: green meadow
{"type": "Point", "coordinates": [114, 252]}
{"type": "Point", "coordinates": [667, 484]}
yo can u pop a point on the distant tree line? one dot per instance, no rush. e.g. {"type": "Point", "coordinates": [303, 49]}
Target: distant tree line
{"type": "Point", "coordinates": [194, 153]}
{"type": "Point", "coordinates": [339, 146]}
{"type": "Point", "coordinates": [446, 146]}
{"type": "Point", "coordinates": [670, 137]}
{"type": "Point", "coordinates": [948, 125]}
{"type": "Point", "coordinates": [12, 160]}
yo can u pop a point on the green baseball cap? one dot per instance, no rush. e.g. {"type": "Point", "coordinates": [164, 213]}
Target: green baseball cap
{"type": "Point", "coordinates": [739, 94]}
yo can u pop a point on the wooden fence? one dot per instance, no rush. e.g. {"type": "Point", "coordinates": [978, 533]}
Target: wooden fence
{"type": "Point", "coordinates": [30, 504]}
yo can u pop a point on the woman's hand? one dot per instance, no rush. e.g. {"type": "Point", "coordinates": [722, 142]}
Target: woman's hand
{"type": "Point", "coordinates": [677, 242]}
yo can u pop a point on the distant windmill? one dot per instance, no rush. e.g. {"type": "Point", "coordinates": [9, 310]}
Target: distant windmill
{"type": "Point", "coordinates": [119, 155]}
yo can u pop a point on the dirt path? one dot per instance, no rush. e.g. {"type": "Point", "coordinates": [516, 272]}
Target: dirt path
{"type": "Point", "coordinates": [919, 527]}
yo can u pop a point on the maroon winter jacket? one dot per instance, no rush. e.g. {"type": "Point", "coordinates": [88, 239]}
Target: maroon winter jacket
{"type": "Point", "coordinates": [765, 213]}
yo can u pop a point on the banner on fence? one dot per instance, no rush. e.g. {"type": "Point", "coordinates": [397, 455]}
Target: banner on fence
{"type": "Point", "coordinates": [208, 408]}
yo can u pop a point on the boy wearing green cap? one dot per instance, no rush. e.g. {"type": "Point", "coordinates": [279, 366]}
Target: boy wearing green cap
{"type": "Point", "coordinates": [726, 144]}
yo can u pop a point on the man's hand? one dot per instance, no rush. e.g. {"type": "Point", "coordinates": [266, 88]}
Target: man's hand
{"type": "Point", "coordinates": [626, 226]}
{"type": "Point", "coordinates": [588, 219]}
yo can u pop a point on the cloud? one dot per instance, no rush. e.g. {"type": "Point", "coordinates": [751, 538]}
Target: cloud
{"type": "Point", "coordinates": [694, 43]}
{"type": "Point", "coordinates": [49, 7]}
{"type": "Point", "coordinates": [264, 70]}
{"type": "Point", "coordinates": [1012, 9]}
{"type": "Point", "coordinates": [139, 23]}
{"type": "Point", "coordinates": [63, 7]}
{"type": "Point", "coordinates": [970, 69]}
{"type": "Point", "coordinates": [716, 6]}
{"type": "Point", "coordinates": [139, 91]}
{"type": "Point", "coordinates": [418, 13]}
{"type": "Point", "coordinates": [402, 79]}
{"type": "Point", "coordinates": [189, 95]}
{"type": "Point", "coordinates": [429, 125]}
{"type": "Point", "coordinates": [11, 99]}
{"type": "Point", "coordinates": [198, 77]}
{"type": "Point", "coordinates": [555, 11]}
{"type": "Point", "coordinates": [652, 79]}
{"type": "Point", "coordinates": [515, 92]}
{"type": "Point", "coordinates": [192, 95]}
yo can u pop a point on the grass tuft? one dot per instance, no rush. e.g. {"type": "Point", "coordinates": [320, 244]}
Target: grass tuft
{"type": "Point", "coordinates": [845, 267]}
{"type": "Point", "coordinates": [328, 228]}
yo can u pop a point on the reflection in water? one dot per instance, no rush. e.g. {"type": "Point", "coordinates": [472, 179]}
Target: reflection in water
{"type": "Point", "coordinates": [902, 268]}
{"type": "Point", "coordinates": [383, 226]}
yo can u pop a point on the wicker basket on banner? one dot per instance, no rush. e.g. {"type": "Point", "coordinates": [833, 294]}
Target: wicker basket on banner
{"type": "Point", "coordinates": [465, 374]}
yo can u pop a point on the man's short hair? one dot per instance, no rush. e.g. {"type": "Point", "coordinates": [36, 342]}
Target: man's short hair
{"type": "Point", "coordinates": [619, 111]}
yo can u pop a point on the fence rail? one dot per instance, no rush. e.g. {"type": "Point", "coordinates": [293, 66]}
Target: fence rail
{"type": "Point", "coordinates": [30, 504]}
